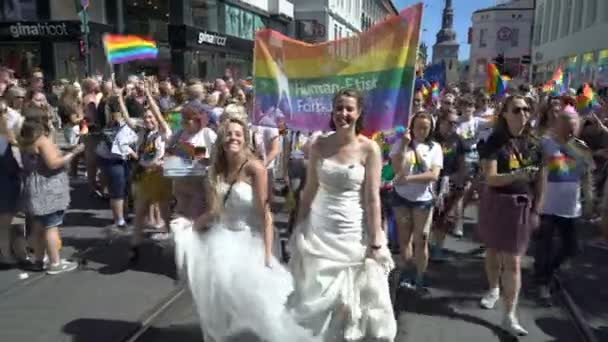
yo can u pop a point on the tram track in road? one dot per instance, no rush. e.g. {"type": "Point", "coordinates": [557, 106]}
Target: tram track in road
{"type": "Point", "coordinates": [575, 313]}
{"type": "Point", "coordinates": [148, 318]}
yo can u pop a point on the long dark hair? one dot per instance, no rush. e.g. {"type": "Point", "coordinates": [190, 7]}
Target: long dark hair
{"type": "Point", "coordinates": [423, 115]}
{"type": "Point", "coordinates": [348, 92]}
{"type": "Point", "coordinates": [501, 127]}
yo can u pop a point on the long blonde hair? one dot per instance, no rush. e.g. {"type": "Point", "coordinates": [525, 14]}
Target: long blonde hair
{"type": "Point", "coordinates": [218, 170]}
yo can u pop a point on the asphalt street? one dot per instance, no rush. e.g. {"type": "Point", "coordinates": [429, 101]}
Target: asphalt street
{"type": "Point", "coordinates": [107, 301]}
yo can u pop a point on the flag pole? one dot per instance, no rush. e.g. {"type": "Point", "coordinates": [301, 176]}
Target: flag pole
{"type": "Point", "coordinates": [411, 104]}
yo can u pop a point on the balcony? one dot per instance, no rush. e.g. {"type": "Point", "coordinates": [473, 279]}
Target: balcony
{"type": "Point", "coordinates": [281, 8]}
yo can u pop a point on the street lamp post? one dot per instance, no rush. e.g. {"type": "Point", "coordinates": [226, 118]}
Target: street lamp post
{"type": "Point", "coordinates": [82, 7]}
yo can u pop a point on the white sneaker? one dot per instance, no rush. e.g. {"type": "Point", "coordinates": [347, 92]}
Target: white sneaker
{"type": "Point", "coordinates": [458, 231]}
{"type": "Point", "coordinates": [489, 300]}
{"type": "Point", "coordinates": [511, 325]}
{"type": "Point", "coordinates": [544, 293]}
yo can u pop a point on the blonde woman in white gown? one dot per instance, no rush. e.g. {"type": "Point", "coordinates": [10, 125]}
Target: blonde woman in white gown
{"type": "Point", "coordinates": [340, 261]}
{"type": "Point", "coordinates": [238, 285]}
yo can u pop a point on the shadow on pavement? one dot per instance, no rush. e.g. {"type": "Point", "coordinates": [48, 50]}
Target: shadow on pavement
{"type": "Point", "coordinates": [555, 328]}
{"type": "Point", "coordinates": [99, 330]}
{"type": "Point", "coordinates": [113, 256]}
{"type": "Point", "coordinates": [79, 218]}
{"type": "Point", "coordinates": [442, 306]}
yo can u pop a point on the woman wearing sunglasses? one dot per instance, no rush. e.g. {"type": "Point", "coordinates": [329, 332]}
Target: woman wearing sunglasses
{"type": "Point", "coordinates": [510, 161]}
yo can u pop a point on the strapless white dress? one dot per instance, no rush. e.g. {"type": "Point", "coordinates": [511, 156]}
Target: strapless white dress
{"type": "Point", "coordinates": [340, 293]}
{"type": "Point", "coordinates": [237, 297]}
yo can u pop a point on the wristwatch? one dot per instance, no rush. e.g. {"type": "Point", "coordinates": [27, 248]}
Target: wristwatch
{"type": "Point", "coordinates": [376, 247]}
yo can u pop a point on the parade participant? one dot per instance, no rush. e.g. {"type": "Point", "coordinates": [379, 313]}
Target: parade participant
{"type": "Point", "coordinates": [450, 184]}
{"type": "Point", "coordinates": [70, 112]}
{"type": "Point", "coordinates": [566, 170]}
{"type": "Point", "coordinates": [46, 189]}
{"type": "Point", "coordinates": [418, 161]}
{"type": "Point", "coordinates": [150, 187]}
{"type": "Point", "coordinates": [114, 153]}
{"type": "Point", "coordinates": [469, 129]}
{"type": "Point", "coordinates": [10, 183]}
{"type": "Point", "coordinates": [510, 159]}
{"type": "Point", "coordinates": [340, 260]}
{"type": "Point", "coordinates": [548, 112]}
{"type": "Point", "coordinates": [238, 285]}
{"type": "Point", "coordinates": [197, 140]}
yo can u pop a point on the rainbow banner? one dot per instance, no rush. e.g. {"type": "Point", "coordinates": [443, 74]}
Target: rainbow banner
{"type": "Point", "coordinates": [125, 48]}
{"type": "Point", "coordinates": [296, 81]}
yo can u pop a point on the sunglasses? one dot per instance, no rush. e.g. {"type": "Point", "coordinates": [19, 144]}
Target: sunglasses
{"type": "Point", "coordinates": [520, 110]}
{"type": "Point", "coordinates": [447, 103]}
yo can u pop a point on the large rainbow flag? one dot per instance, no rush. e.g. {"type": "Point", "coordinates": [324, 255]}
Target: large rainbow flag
{"type": "Point", "coordinates": [296, 81]}
{"type": "Point", "coordinates": [125, 48]}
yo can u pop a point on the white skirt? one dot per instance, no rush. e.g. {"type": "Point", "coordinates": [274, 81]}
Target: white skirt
{"type": "Point", "coordinates": [234, 292]}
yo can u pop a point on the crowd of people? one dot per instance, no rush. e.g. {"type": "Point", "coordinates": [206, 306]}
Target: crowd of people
{"type": "Point", "coordinates": [530, 161]}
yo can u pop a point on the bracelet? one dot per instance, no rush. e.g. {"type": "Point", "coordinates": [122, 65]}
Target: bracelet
{"type": "Point", "coordinates": [376, 247]}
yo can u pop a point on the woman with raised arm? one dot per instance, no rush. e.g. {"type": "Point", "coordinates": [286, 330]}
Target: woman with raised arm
{"type": "Point", "coordinates": [238, 285]}
{"type": "Point", "coordinates": [340, 259]}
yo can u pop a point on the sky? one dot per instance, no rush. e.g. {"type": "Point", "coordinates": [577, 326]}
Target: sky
{"type": "Point", "coordinates": [431, 21]}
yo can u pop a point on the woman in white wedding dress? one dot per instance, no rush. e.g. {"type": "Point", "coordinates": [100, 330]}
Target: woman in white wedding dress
{"type": "Point", "coordinates": [340, 261]}
{"type": "Point", "coordinates": [238, 285]}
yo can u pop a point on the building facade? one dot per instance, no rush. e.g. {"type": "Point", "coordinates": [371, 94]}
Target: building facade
{"type": "Point", "coordinates": [210, 38]}
{"type": "Point", "coordinates": [196, 38]}
{"type": "Point", "coordinates": [573, 35]}
{"type": "Point", "coordinates": [502, 35]}
{"type": "Point", "coordinates": [325, 20]}
{"type": "Point", "coordinates": [48, 34]}
{"type": "Point", "coordinates": [446, 48]}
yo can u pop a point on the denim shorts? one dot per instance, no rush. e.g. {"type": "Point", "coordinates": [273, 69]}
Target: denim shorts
{"type": "Point", "coordinates": [398, 201]}
{"type": "Point", "coordinates": [117, 172]}
{"type": "Point", "coordinates": [49, 220]}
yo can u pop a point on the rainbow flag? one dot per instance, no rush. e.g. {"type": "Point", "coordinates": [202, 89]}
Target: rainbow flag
{"type": "Point", "coordinates": [587, 100]}
{"type": "Point", "coordinates": [556, 84]}
{"type": "Point", "coordinates": [435, 91]}
{"type": "Point", "coordinates": [296, 81]}
{"type": "Point", "coordinates": [125, 48]}
{"type": "Point", "coordinates": [496, 84]}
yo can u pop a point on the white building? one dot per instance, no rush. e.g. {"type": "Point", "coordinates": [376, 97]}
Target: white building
{"type": "Point", "coordinates": [323, 20]}
{"type": "Point", "coordinates": [503, 31]}
{"type": "Point", "coordinates": [573, 35]}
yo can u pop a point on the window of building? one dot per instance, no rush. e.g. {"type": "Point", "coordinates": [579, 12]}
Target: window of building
{"type": "Point", "coordinates": [483, 37]}
{"type": "Point", "coordinates": [340, 32]}
{"type": "Point", "coordinates": [514, 37]}
{"type": "Point", "coordinates": [547, 22]}
{"type": "Point", "coordinates": [556, 19]}
{"type": "Point", "coordinates": [242, 23]}
{"type": "Point", "coordinates": [335, 31]}
{"type": "Point", "coordinates": [578, 16]}
{"type": "Point", "coordinates": [18, 10]}
{"type": "Point", "coordinates": [539, 26]}
{"type": "Point", "coordinates": [566, 18]}
{"type": "Point", "coordinates": [591, 12]}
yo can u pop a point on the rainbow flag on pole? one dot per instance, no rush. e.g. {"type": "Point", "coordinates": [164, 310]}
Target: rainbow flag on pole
{"type": "Point", "coordinates": [496, 84]}
{"type": "Point", "coordinates": [296, 81]}
{"type": "Point", "coordinates": [125, 48]}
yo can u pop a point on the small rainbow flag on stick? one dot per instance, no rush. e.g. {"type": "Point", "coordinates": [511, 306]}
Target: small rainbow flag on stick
{"type": "Point", "coordinates": [125, 48]}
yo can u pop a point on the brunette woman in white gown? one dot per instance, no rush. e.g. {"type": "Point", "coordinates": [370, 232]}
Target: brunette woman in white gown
{"type": "Point", "coordinates": [340, 261]}
{"type": "Point", "coordinates": [238, 285]}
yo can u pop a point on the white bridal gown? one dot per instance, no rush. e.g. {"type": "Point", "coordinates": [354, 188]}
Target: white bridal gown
{"type": "Point", "coordinates": [340, 293]}
{"type": "Point", "coordinates": [237, 297]}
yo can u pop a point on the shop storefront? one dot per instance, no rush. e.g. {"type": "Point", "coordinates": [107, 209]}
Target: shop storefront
{"type": "Point", "coordinates": [52, 45]}
{"type": "Point", "coordinates": [206, 54]}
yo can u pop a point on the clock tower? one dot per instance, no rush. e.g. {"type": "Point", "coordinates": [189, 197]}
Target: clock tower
{"type": "Point", "coordinates": [446, 48]}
